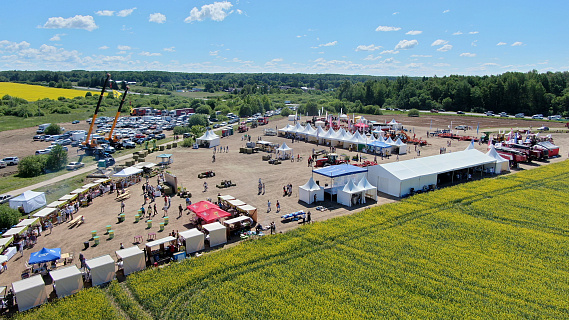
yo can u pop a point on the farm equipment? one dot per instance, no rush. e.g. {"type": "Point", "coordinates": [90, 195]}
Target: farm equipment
{"type": "Point", "coordinates": [514, 156]}
{"type": "Point", "coordinates": [270, 132]}
{"type": "Point", "coordinates": [90, 146]}
{"type": "Point", "coordinates": [115, 141]}
{"type": "Point", "coordinates": [226, 184]}
{"type": "Point", "coordinates": [242, 127]}
{"type": "Point", "coordinates": [254, 124]}
{"type": "Point", "coordinates": [329, 160]}
{"type": "Point", "coordinates": [263, 121]}
{"type": "Point", "coordinates": [206, 174]}
{"type": "Point", "coordinates": [366, 163]}
{"type": "Point", "coordinates": [531, 152]}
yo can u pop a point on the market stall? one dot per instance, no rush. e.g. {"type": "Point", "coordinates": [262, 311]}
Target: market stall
{"type": "Point", "coordinates": [101, 269]}
{"type": "Point", "coordinates": [248, 210]}
{"type": "Point", "coordinates": [29, 292]}
{"type": "Point", "coordinates": [165, 159]}
{"type": "Point", "coordinates": [156, 255]}
{"type": "Point", "coordinates": [212, 214]}
{"type": "Point", "coordinates": [132, 259]}
{"type": "Point", "coordinates": [208, 140]}
{"type": "Point", "coordinates": [69, 197]}
{"type": "Point", "coordinates": [14, 231]}
{"type": "Point", "coordinates": [368, 189]}
{"type": "Point", "coordinates": [79, 191]}
{"type": "Point", "coordinates": [5, 242]}
{"type": "Point", "coordinates": [45, 214]}
{"type": "Point", "coordinates": [284, 152]}
{"type": "Point", "coordinates": [66, 281]}
{"type": "Point", "coordinates": [201, 206]}
{"type": "Point", "coordinates": [29, 200]}
{"type": "Point", "coordinates": [194, 240]}
{"type": "Point", "coordinates": [350, 195]}
{"type": "Point", "coordinates": [238, 224]}
{"type": "Point", "coordinates": [216, 234]}
{"type": "Point", "coordinates": [28, 222]}
{"type": "Point", "coordinates": [57, 204]}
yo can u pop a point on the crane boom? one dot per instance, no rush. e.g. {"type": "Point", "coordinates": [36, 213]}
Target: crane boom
{"type": "Point", "coordinates": [111, 140]}
{"type": "Point", "coordinates": [87, 142]}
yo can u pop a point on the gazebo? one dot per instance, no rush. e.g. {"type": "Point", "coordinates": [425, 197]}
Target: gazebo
{"type": "Point", "coordinates": [284, 151]}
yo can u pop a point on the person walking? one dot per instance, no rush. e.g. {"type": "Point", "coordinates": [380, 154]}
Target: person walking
{"type": "Point", "coordinates": [149, 209]}
{"type": "Point", "coordinates": [273, 228]}
{"type": "Point", "coordinates": [122, 206]}
{"type": "Point", "coordinates": [263, 188]}
{"type": "Point", "coordinates": [181, 210]}
{"type": "Point", "coordinates": [213, 158]}
{"type": "Point", "coordinates": [155, 210]}
{"type": "Point", "coordinates": [204, 186]}
{"type": "Point", "coordinates": [308, 218]}
{"type": "Point", "coordinates": [268, 205]}
{"type": "Point", "coordinates": [278, 206]}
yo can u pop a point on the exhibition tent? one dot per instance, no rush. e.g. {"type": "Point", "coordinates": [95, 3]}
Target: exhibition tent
{"type": "Point", "coordinates": [208, 139]}
{"type": "Point", "coordinates": [213, 214]}
{"type": "Point", "coordinates": [286, 129]}
{"type": "Point", "coordinates": [14, 231]}
{"type": "Point", "coordinates": [101, 269]}
{"type": "Point", "coordinates": [45, 255]}
{"type": "Point", "coordinates": [127, 172]}
{"type": "Point", "coordinates": [44, 213]}
{"type": "Point", "coordinates": [194, 240]}
{"type": "Point", "coordinates": [66, 281]}
{"type": "Point", "coordinates": [29, 200]}
{"type": "Point", "coordinates": [133, 259]}
{"type": "Point", "coordinates": [283, 151]}
{"type": "Point", "coordinates": [368, 188]}
{"type": "Point", "coordinates": [350, 194]}
{"type": "Point", "coordinates": [217, 233]}
{"type": "Point", "coordinates": [29, 292]}
{"type": "Point", "coordinates": [201, 206]}
{"type": "Point", "coordinates": [307, 191]}
{"type": "Point", "coordinates": [502, 164]}
{"type": "Point", "coordinates": [28, 222]}
{"type": "Point", "coordinates": [340, 175]}
{"type": "Point", "coordinates": [401, 145]}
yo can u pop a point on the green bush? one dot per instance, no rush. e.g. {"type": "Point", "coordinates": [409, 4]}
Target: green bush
{"type": "Point", "coordinates": [8, 216]}
{"type": "Point", "coordinates": [53, 129]}
{"type": "Point", "coordinates": [179, 130]}
{"type": "Point", "coordinates": [187, 142]}
{"type": "Point", "coordinates": [198, 120]}
{"type": "Point", "coordinates": [57, 159]}
{"type": "Point", "coordinates": [413, 113]}
{"type": "Point", "coordinates": [32, 166]}
{"type": "Point", "coordinates": [286, 112]}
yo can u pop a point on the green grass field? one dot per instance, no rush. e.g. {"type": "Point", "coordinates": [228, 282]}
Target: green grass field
{"type": "Point", "coordinates": [494, 248]}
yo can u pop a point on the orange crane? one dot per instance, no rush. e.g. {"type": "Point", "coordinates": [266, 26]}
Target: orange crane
{"type": "Point", "coordinates": [114, 140]}
{"type": "Point", "coordinates": [89, 145]}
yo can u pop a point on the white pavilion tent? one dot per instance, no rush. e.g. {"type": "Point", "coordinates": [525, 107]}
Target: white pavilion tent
{"type": "Point", "coordinates": [307, 192]}
{"type": "Point", "coordinates": [208, 139]}
{"type": "Point", "coordinates": [127, 172]}
{"type": "Point", "coordinates": [194, 240]}
{"type": "Point", "coordinates": [286, 129]}
{"type": "Point", "coordinates": [350, 194]}
{"type": "Point", "coordinates": [101, 269]}
{"type": "Point", "coordinates": [217, 233]}
{"type": "Point", "coordinates": [29, 292]}
{"type": "Point", "coordinates": [284, 151]}
{"type": "Point", "coordinates": [133, 259]}
{"type": "Point", "coordinates": [369, 190]}
{"type": "Point", "coordinates": [401, 145]}
{"type": "Point", "coordinates": [67, 281]}
{"type": "Point", "coordinates": [29, 200]}
{"type": "Point", "coordinates": [502, 164]}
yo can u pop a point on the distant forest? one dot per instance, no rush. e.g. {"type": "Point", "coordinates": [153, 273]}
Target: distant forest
{"type": "Point", "coordinates": [511, 92]}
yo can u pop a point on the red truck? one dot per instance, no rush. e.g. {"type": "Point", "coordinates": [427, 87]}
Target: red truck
{"type": "Point", "coordinates": [263, 120]}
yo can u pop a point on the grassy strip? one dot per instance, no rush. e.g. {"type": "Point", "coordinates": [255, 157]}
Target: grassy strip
{"type": "Point", "coordinates": [126, 302]}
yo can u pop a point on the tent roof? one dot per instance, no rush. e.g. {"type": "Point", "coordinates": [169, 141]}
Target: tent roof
{"type": "Point", "coordinates": [287, 128]}
{"type": "Point", "coordinates": [56, 204]}
{"type": "Point", "coordinates": [389, 141]}
{"type": "Point", "coordinates": [379, 144]}
{"type": "Point", "coordinates": [99, 261]}
{"type": "Point", "coordinates": [202, 206]}
{"type": "Point", "coordinates": [437, 164]}
{"type": "Point", "coordinates": [310, 185]}
{"type": "Point", "coordinates": [142, 165]}
{"type": "Point", "coordinates": [191, 233]}
{"type": "Point", "coordinates": [399, 142]}
{"type": "Point", "coordinates": [160, 241]}
{"type": "Point", "coordinates": [89, 185]}
{"type": "Point", "coordinates": [127, 172]}
{"type": "Point", "coordinates": [129, 252]}
{"type": "Point", "coordinates": [364, 184]}
{"type": "Point", "coordinates": [68, 197]}
{"type": "Point", "coordinates": [208, 136]}
{"type": "Point", "coordinates": [238, 219]}
{"type": "Point", "coordinates": [226, 197]}
{"type": "Point", "coordinates": [494, 154]}
{"type": "Point", "coordinates": [236, 202]}
{"type": "Point", "coordinates": [63, 273]}
{"type": "Point", "coordinates": [350, 187]}
{"type": "Point", "coordinates": [44, 212]}
{"type": "Point", "coordinates": [13, 231]}
{"type": "Point", "coordinates": [214, 226]}
{"type": "Point", "coordinates": [78, 190]}
{"type": "Point", "coordinates": [164, 155]}
{"type": "Point", "coordinates": [31, 282]}
{"type": "Point", "coordinates": [339, 170]}
{"type": "Point", "coordinates": [45, 255]}
{"type": "Point", "coordinates": [102, 180]}
{"type": "Point", "coordinates": [470, 146]}
{"type": "Point", "coordinates": [247, 207]}
{"type": "Point", "coordinates": [284, 147]}
{"type": "Point", "coordinates": [5, 241]}
{"type": "Point", "coordinates": [27, 195]}
{"type": "Point", "coordinates": [393, 122]}
{"type": "Point", "coordinates": [27, 222]}
{"type": "Point", "coordinates": [212, 214]}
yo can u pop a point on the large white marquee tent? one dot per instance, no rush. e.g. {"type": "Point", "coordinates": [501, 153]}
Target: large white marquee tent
{"type": "Point", "coordinates": [29, 200]}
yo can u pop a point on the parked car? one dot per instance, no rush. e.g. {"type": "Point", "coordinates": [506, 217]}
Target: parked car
{"type": "Point", "coordinates": [520, 115]}
{"type": "Point", "coordinates": [5, 198]}
{"type": "Point", "coordinates": [39, 137]}
{"type": "Point", "coordinates": [503, 114]}
{"type": "Point", "coordinates": [537, 116]}
{"type": "Point", "coordinates": [543, 128]}
{"type": "Point", "coordinates": [11, 161]}
{"type": "Point", "coordinates": [75, 121]}
{"type": "Point", "coordinates": [127, 144]}
{"type": "Point", "coordinates": [490, 113]}
{"type": "Point", "coordinates": [74, 165]}
{"type": "Point", "coordinates": [461, 127]}
{"type": "Point", "coordinates": [44, 151]}
{"type": "Point", "coordinates": [160, 136]}
{"type": "Point", "coordinates": [109, 149]}
{"type": "Point", "coordinates": [187, 135]}
{"type": "Point", "coordinates": [459, 112]}
{"type": "Point", "coordinates": [434, 111]}
{"type": "Point", "coordinates": [3, 164]}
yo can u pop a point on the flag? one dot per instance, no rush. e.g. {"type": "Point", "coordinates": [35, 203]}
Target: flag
{"type": "Point", "coordinates": [431, 126]}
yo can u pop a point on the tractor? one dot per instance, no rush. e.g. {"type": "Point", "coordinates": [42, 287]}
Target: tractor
{"type": "Point", "coordinates": [329, 160]}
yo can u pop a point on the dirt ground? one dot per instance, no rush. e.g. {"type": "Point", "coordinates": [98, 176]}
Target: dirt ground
{"type": "Point", "coordinates": [242, 169]}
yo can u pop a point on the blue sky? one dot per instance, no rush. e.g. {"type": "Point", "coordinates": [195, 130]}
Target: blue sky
{"type": "Point", "coordinates": [416, 38]}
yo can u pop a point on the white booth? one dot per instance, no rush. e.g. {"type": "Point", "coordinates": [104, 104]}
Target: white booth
{"type": "Point", "coordinates": [216, 233]}
{"type": "Point", "coordinates": [29, 200]}
{"type": "Point", "coordinates": [29, 292]}
{"type": "Point", "coordinates": [208, 139]}
{"type": "Point", "coordinates": [132, 259]}
{"type": "Point", "coordinates": [350, 194]}
{"type": "Point", "coordinates": [44, 213]}
{"type": "Point", "coordinates": [28, 222]}
{"type": "Point", "coordinates": [67, 281]}
{"type": "Point", "coordinates": [101, 269]}
{"type": "Point", "coordinates": [307, 192]}
{"type": "Point", "coordinates": [194, 240]}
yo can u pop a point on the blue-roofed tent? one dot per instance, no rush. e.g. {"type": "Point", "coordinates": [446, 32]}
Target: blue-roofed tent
{"type": "Point", "coordinates": [340, 175]}
{"type": "Point", "coordinates": [45, 255]}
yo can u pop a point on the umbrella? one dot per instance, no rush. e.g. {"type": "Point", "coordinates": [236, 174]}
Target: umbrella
{"type": "Point", "coordinates": [45, 255]}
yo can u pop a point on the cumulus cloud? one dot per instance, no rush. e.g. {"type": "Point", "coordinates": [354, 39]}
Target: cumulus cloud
{"type": "Point", "coordinates": [421, 56]}
{"type": "Point", "coordinates": [446, 11]}
{"type": "Point", "coordinates": [216, 11]}
{"type": "Point", "coordinates": [445, 48]}
{"type": "Point", "coordinates": [239, 11]}
{"type": "Point", "coordinates": [501, 43]}
{"type": "Point", "coordinates": [170, 49]}
{"type": "Point", "coordinates": [371, 47]}
{"type": "Point", "coordinates": [157, 17]}
{"type": "Point", "coordinates": [490, 64]}
{"type": "Point", "coordinates": [517, 43]}
{"type": "Point", "coordinates": [105, 13]}
{"type": "Point", "coordinates": [123, 48]}
{"type": "Point", "coordinates": [414, 65]}
{"type": "Point", "coordinates": [414, 32]}
{"type": "Point", "coordinates": [150, 54]}
{"type": "Point", "coordinates": [214, 53]}
{"type": "Point", "coordinates": [329, 44]}
{"type": "Point", "coordinates": [473, 32]}
{"type": "Point", "coordinates": [77, 22]}
{"type": "Point", "coordinates": [406, 44]}
{"type": "Point", "coordinates": [458, 33]}
{"type": "Point", "coordinates": [371, 57]}
{"type": "Point", "coordinates": [395, 13]}
{"type": "Point", "coordinates": [438, 42]}
{"type": "Point", "coordinates": [468, 54]}
{"type": "Point", "coordinates": [441, 65]}
{"type": "Point", "coordinates": [103, 48]}
{"type": "Point", "coordinates": [273, 62]}
{"type": "Point", "coordinates": [10, 46]}
{"type": "Point", "coordinates": [386, 28]}
{"type": "Point", "coordinates": [125, 12]}
{"type": "Point", "coordinates": [389, 52]}
{"type": "Point", "coordinates": [57, 37]}
{"type": "Point", "coordinates": [474, 43]}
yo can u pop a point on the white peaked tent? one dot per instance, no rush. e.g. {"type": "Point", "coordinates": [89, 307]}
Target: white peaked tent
{"type": "Point", "coordinates": [369, 190]}
{"type": "Point", "coordinates": [344, 117]}
{"type": "Point", "coordinates": [133, 259]}
{"type": "Point", "coordinates": [30, 200]}
{"type": "Point", "coordinates": [208, 139]}
{"type": "Point", "coordinates": [471, 146]}
{"type": "Point", "coordinates": [402, 146]}
{"type": "Point", "coordinates": [298, 128]}
{"type": "Point", "coordinates": [349, 194]}
{"type": "Point", "coordinates": [307, 191]}
{"type": "Point", "coordinates": [127, 172]}
{"type": "Point", "coordinates": [194, 240]}
{"type": "Point", "coordinates": [286, 129]}
{"type": "Point", "coordinates": [101, 269]}
{"type": "Point", "coordinates": [67, 281]}
{"type": "Point", "coordinates": [389, 141]}
{"type": "Point", "coordinates": [29, 292]}
{"type": "Point", "coordinates": [380, 138]}
{"type": "Point", "coordinates": [394, 125]}
{"type": "Point", "coordinates": [283, 151]}
{"type": "Point", "coordinates": [319, 123]}
{"type": "Point", "coordinates": [217, 233]}
{"type": "Point", "coordinates": [502, 164]}
{"type": "Point", "coordinates": [324, 136]}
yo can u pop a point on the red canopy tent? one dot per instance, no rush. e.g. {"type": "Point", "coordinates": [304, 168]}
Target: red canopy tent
{"type": "Point", "coordinates": [361, 125]}
{"type": "Point", "coordinates": [212, 215]}
{"type": "Point", "coordinates": [202, 206]}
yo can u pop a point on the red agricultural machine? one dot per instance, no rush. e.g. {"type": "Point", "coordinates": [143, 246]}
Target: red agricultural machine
{"type": "Point", "coordinates": [330, 160]}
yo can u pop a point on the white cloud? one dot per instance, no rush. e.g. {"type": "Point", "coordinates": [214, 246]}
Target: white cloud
{"type": "Point", "coordinates": [372, 58]}
{"type": "Point", "coordinates": [406, 44]}
{"type": "Point", "coordinates": [414, 65]}
{"type": "Point", "coordinates": [157, 17]}
{"type": "Point", "coordinates": [371, 47]}
{"type": "Point", "coordinates": [395, 13]}
{"type": "Point", "coordinates": [122, 52]}
{"type": "Point", "coordinates": [214, 53]}
{"type": "Point", "coordinates": [10, 46]}
{"type": "Point", "coordinates": [386, 28]}
{"type": "Point", "coordinates": [501, 43]}
{"type": "Point", "coordinates": [458, 33]}
{"type": "Point", "coordinates": [329, 44]}
{"type": "Point", "coordinates": [441, 65]}
{"type": "Point", "coordinates": [123, 48]}
{"type": "Point", "coordinates": [414, 32]}
{"type": "Point", "coordinates": [473, 32]}
{"type": "Point", "coordinates": [150, 54]}
{"type": "Point", "coordinates": [468, 54]}
{"type": "Point", "coordinates": [57, 37]}
{"type": "Point", "coordinates": [389, 52]}
{"type": "Point", "coordinates": [474, 43]}
{"type": "Point", "coordinates": [105, 13]}
{"type": "Point", "coordinates": [421, 56]}
{"type": "Point", "coordinates": [438, 42]}
{"type": "Point", "coordinates": [490, 64]}
{"type": "Point", "coordinates": [170, 49]}
{"type": "Point", "coordinates": [388, 60]}
{"type": "Point", "coordinates": [445, 48]}
{"type": "Point", "coordinates": [239, 11]}
{"type": "Point", "coordinates": [125, 12]}
{"type": "Point", "coordinates": [216, 11]}
{"type": "Point", "coordinates": [517, 43]}
{"type": "Point", "coordinates": [103, 48]}
{"type": "Point", "coordinates": [446, 11]}
{"type": "Point", "coordinates": [77, 22]}
{"type": "Point", "coordinates": [240, 61]}
{"type": "Point", "coordinates": [273, 62]}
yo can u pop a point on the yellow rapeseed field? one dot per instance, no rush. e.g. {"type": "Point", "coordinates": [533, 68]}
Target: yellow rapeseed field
{"type": "Point", "coordinates": [34, 93]}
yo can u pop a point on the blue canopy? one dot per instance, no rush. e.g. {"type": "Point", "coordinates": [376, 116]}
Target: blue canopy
{"type": "Point", "coordinates": [45, 255]}
{"type": "Point", "coordinates": [339, 170]}
{"type": "Point", "coordinates": [165, 155]}
{"type": "Point", "coordinates": [378, 144]}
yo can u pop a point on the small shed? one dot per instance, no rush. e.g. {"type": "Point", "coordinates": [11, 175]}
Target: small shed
{"type": "Point", "coordinates": [66, 281]}
{"type": "Point", "coordinates": [216, 233]}
{"type": "Point", "coordinates": [194, 240]}
{"type": "Point", "coordinates": [101, 269]}
{"type": "Point", "coordinates": [133, 259]}
{"type": "Point", "coordinates": [29, 292]}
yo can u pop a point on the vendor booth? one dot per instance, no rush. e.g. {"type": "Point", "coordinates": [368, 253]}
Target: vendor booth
{"type": "Point", "coordinates": [201, 206]}
{"type": "Point", "coordinates": [28, 222]}
{"type": "Point", "coordinates": [351, 194]}
{"type": "Point", "coordinates": [235, 203]}
{"type": "Point", "coordinates": [284, 152]}
{"type": "Point", "coordinates": [57, 204]}
{"type": "Point", "coordinates": [66, 281]}
{"type": "Point", "coordinates": [249, 210]}
{"type": "Point", "coordinates": [165, 159]}
{"type": "Point", "coordinates": [45, 213]}
{"type": "Point", "coordinates": [79, 191]}
{"type": "Point", "coordinates": [156, 255]}
{"type": "Point", "coordinates": [127, 172]}
{"type": "Point", "coordinates": [29, 292]}
{"type": "Point", "coordinates": [208, 140]}
{"type": "Point", "coordinates": [101, 269]}
{"type": "Point", "coordinates": [194, 240]}
{"type": "Point", "coordinates": [216, 234]}
{"type": "Point", "coordinates": [14, 231]}
{"type": "Point", "coordinates": [69, 197]}
{"type": "Point", "coordinates": [502, 164]}
{"type": "Point", "coordinates": [339, 176]}
{"type": "Point", "coordinates": [29, 200]}
{"type": "Point", "coordinates": [132, 259]}
{"type": "Point", "coordinates": [310, 189]}
{"type": "Point", "coordinates": [5, 242]}
{"type": "Point", "coordinates": [369, 190]}
{"type": "Point", "coordinates": [212, 214]}
{"type": "Point", "coordinates": [401, 146]}
{"type": "Point", "coordinates": [238, 224]}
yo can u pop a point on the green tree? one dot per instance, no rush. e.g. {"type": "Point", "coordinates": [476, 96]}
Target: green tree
{"type": "Point", "coordinates": [198, 120]}
{"type": "Point", "coordinates": [8, 216]}
{"type": "Point", "coordinates": [204, 109]}
{"type": "Point", "coordinates": [245, 111]}
{"type": "Point", "coordinates": [413, 113]}
{"type": "Point", "coordinates": [53, 129]}
{"type": "Point", "coordinates": [197, 130]}
{"type": "Point", "coordinates": [56, 159]}
{"type": "Point", "coordinates": [32, 166]}
{"type": "Point", "coordinates": [312, 108]}
{"type": "Point", "coordinates": [285, 112]}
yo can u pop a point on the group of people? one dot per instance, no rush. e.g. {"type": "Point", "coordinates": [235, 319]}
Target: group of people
{"type": "Point", "coordinates": [287, 190]}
